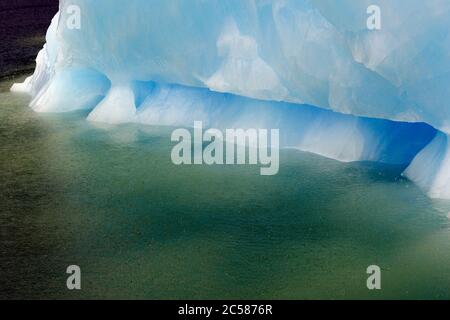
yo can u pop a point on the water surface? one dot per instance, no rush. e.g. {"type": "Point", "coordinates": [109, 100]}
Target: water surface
{"type": "Point", "coordinates": [108, 198]}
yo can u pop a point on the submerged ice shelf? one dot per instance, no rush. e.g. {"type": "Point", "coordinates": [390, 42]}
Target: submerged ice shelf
{"type": "Point", "coordinates": [307, 67]}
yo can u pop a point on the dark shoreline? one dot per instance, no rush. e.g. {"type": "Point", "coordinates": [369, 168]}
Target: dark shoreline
{"type": "Point", "coordinates": [23, 24]}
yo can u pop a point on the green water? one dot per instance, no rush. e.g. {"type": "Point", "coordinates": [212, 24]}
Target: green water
{"type": "Point", "coordinates": [110, 200]}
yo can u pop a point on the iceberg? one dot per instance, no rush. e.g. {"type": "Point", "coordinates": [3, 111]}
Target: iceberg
{"type": "Point", "coordinates": [311, 68]}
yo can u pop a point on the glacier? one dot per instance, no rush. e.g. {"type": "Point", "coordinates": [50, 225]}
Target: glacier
{"type": "Point", "coordinates": [308, 67]}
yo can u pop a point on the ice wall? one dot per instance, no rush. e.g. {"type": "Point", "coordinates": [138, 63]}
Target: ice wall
{"type": "Point", "coordinates": [307, 128]}
{"type": "Point", "coordinates": [431, 168]}
{"type": "Point", "coordinates": [310, 67]}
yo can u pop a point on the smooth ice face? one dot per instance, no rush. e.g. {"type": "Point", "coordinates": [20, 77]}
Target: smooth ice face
{"type": "Point", "coordinates": [312, 63]}
{"type": "Point", "coordinates": [333, 135]}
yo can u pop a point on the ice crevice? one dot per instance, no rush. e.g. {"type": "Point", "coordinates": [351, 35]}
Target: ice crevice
{"type": "Point", "coordinates": [306, 67]}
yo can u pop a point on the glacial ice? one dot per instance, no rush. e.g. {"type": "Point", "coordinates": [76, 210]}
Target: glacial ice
{"type": "Point", "coordinates": [308, 67]}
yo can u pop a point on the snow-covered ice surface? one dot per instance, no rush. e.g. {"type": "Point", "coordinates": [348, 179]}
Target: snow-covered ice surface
{"type": "Point", "coordinates": [308, 67]}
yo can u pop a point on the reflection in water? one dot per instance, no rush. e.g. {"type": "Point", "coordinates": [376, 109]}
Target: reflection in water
{"type": "Point", "coordinates": [108, 198]}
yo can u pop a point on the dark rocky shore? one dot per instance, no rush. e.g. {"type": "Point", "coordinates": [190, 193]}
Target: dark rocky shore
{"type": "Point", "coordinates": [23, 24]}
